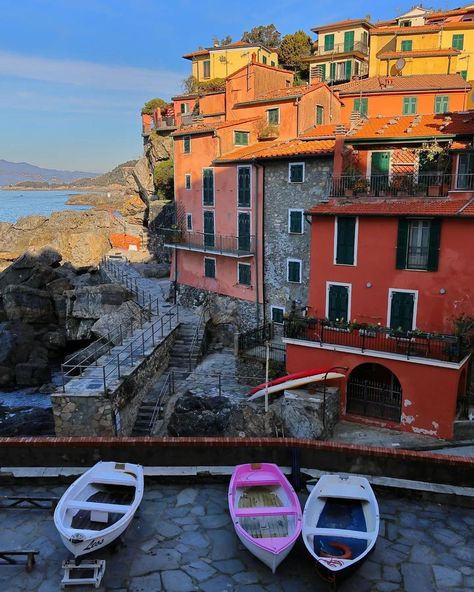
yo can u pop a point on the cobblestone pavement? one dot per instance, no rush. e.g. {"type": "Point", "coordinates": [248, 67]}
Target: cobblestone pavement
{"type": "Point", "coordinates": [182, 540]}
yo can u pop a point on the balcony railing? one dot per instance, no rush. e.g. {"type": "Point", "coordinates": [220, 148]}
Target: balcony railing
{"type": "Point", "coordinates": [357, 46]}
{"type": "Point", "coordinates": [399, 185]}
{"type": "Point", "coordinates": [407, 344]}
{"type": "Point", "coordinates": [205, 242]}
{"type": "Point", "coordinates": [165, 122]}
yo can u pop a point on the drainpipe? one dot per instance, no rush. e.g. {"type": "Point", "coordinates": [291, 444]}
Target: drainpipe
{"type": "Point", "coordinates": [262, 167]}
{"type": "Point", "coordinates": [257, 267]}
{"type": "Point", "coordinates": [298, 117]}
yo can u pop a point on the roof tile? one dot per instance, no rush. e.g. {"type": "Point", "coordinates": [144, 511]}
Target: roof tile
{"type": "Point", "coordinates": [386, 84]}
{"type": "Point", "coordinates": [420, 53]}
{"type": "Point", "coordinates": [396, 207]}
{"type": "Point", "coordinates": [280, 149]}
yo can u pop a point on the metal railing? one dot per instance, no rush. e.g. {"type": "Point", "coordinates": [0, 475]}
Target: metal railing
{"type": "Point", "coordinates": [408, 344]}
{"type": "Point", "coordinates": [196, 347]}
{"type": "Point", "coordinates": [255, 337]}
{"type": "Point", "coordinates": [395, 185]}
{"type": "Point", "coordinates": [209, 242]}
{"type": "Point", "coordinates": [358, 46]}
{"type": "Point", "coordinates": [125, 356]}
{"type": "Point", "coordinates": [141, 297]}
{"type": "Point", "coordinates": [165, 122]}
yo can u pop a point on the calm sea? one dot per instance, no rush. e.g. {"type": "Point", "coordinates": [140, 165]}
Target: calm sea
{"type": "Point", "coordinates": [15, 204]}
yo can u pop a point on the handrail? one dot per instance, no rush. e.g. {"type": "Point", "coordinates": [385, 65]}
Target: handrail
{"type": "Point", "coordinates": [156, 410]}
{"type": "Point", "coordinates": [198, 330]}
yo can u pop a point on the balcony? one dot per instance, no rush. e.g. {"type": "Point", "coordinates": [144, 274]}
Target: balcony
{"type": "Point", "coordinates": [165, 123]}
{"type": "Point", "coordinates": [400, 185]}
{"type": "Point", "coordinates": [360, 338]}
{"type": "Point", "coordinates": [203, 242]}
{"type": "Point", "coordinates": [341, 48]}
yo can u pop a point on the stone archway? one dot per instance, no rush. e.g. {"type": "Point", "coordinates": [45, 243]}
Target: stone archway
{"type": "Point", "coordinates": [374, 391]}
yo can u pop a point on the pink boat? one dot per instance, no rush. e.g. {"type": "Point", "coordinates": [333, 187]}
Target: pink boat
{"type": "Point", "coordinates": [265, 511]}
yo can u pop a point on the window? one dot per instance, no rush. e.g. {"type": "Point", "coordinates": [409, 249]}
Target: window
{"type": "Point", "coordinates": [189, 221]}
{"type": "Point", "coordinates": [241, 138]}
{"type": "Point", "coordinates": [244, 274]}
{"type": "Point", "coordinates": [441, 104]}
{"type": "Point", "coordinates": [293, 269]}
{"type": "Point", "coordinates": [273, 116]}
{"type": "Point", "coordinates": [337, 302]}
{"type": "Point", "coordinates": [209, 267]}
{"type": "Point", "coordinates": [361, 106]}
{"type": "Point", "coordinates": [278, 313]}
{"type": "Point", "coordinates": [209, 238]}
{"type": "Point", "coordinates": [348, 69]}
{"type": "Point", "coordinates": [407, 45]}
{"type": "Point", "coordinates": [296, 172]}
{"type": "Point", "coordinates": [332, 71]}
{"type": "Point", "coordinates": [346, 229]}
{"type": "Point", "coordinates": [272, 63]}
{"type": "Point", "coordinates": [348, 40]}
{"type": "Point", "coordinates": [184, 108]}
{"type": "Point", "coordinates": [458, 42]}
{"type": "Point", "coordinates": [319, 114]}
{"type": "Point", "coordinates": [244, 232]}
{"type": "Point", "coordinates": [187, 181]}
{"type": "Point", "coordinates": [418, 244]}
{"type": "Point", "coordinates": [187, 144]}
{"type": "Point", "coordinates": [295, 221]}
{"type": "Point", "coordinates": [410, 105]}
{"type": "Point", "coordinates": [264, 59]}
{"type": "Point", "coordinates": [402, 310]}
{"type": "Point", "coordinates": [465, 176]}
{"type": "Point", "coordinates": [208, 187]}
{"type": "Point", "coordinates": [329, 42]}
{"type": "Point", "coordinates": [405, 23]}
{"type": "Point", "coordinates": [206, 69]}
{"type": "Point", "coordinates": [463, 73]}
{"type": "Point", "coordinates": [243, 186]}
{"type": "Point", "coordinates": [322, 72]}
{"type": "Point", "coordinates": [365, 40]}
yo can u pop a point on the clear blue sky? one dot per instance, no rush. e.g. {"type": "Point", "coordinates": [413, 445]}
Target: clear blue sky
{"type": "Point", "coordinates": [75, 73]}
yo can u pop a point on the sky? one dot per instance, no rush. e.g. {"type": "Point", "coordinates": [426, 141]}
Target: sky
{"type": "Point", "coordinates": [74, 74]}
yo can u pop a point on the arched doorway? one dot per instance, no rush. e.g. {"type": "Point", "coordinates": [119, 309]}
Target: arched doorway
{"type": "Point", "coordinates": [374, 391]}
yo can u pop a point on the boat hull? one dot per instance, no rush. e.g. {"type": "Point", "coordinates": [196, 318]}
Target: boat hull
{"type": "Point", "coordinates": [295, 383]}
{"type": "Point", "coordinates": [271, 560]}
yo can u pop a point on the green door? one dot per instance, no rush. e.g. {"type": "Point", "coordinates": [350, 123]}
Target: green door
{"type": "Point", "coordinates": [380, 166]}
{"type": "Point", "coordinates": [349, 41]}
{"type": "Point", "coordinates": [401, 311]}
{"type": "Point", "coordinates": [209, 238]}
{"type": "Point", "coordinates": [244, 232]}
{"type": "Point", "coordinates": [338, 303]}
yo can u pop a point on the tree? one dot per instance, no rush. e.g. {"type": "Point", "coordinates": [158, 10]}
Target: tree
{"type": "Point", "coordinates": [266, 35]}
{"type": "Point", "coordinates": [153, 104]}
{"type": "Point", "coordinates": [224, 41]}
{"type": "Point", "coordinates": [293, 49]}
{"type": "Point", "coordinates": [163, 179]}
{"type": "Point", "coordinates": [192, 86]}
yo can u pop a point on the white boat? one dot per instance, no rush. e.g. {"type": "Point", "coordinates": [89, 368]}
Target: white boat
{"type": "Point", "coordinates": [265, 511]}
{"type": "Point", "coordinates": [98, 507]}
{"type": "Point", "coordinates": [340, 523]}
{"type": "Point", "coordinates": [292, 383]}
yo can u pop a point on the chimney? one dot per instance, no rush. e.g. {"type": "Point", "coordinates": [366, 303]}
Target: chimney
{"type": "Point", "coordinates": [254, 58]}
{"type": "Point", "coordinates": [354, 119]}
{"type": "Point", "coordinates": [338, 155]}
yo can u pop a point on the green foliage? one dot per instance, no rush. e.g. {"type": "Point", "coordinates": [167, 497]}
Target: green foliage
{"type": "Point", "coordinates": [191, 86]}
{"type": "Point", "coordinates": [163, 179]}
{"type": "Point", "coordinates": [224, 41]}
{"type": "Point", "coordinates": [294, 47]}
{"type": "Point", "coordinates": [153, 104]}
{"type": "Point", "coordinates": [266, 35]}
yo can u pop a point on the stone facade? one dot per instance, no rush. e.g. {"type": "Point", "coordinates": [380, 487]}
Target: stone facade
{"type": "Point", "coordinates": [280, 244]}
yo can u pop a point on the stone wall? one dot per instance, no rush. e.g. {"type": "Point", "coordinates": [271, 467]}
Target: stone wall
{"type": "Point", "coordinates": [280, 245]}
{"type": "Point", "coordinates": [94, 414]}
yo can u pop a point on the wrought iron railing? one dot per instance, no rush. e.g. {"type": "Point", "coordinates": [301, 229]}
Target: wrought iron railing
{"type": "Point", "coordinates": [254, 337]}
{"type": "Point", "coordinates": [358, 46]}
{"type": "Point", "coordinates": [209, 242]}
{"type": "Point", "coordinates": [165, 122]}
{"type": "Point", "coordinates": [409, 344]}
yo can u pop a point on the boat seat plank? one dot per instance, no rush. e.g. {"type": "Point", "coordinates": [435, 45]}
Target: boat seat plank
{"type": "Point", "coordinates": [266, 511]}
{"type": "Point", "coordinates": [115, 479]}
{"type": "Point", "coordinates": [81, 505]}
{"type": "Point", "coordinates": [354, 534]}
{"type": "Point", "coordinates": [257, 483]}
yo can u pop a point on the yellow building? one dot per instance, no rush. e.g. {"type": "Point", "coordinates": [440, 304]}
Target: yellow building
{"type": "Point", "coordinates": [340, 52]}
{"type": "Point", "coordinates": [444, 44]}
{"type": "Point", "coordinates": [222, 60]}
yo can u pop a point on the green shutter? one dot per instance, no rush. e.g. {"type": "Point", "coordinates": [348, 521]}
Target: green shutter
{"type": "Point", "coordinates": [209, 239]}
{"type": "Point", "coordinates": [244, 232]}
{"type": "Point", "coordinates": [332, 71]}
{"type": "Point", "coordinates": [349, 41]}
{"type": "Point", "coordinates": [345, 240]}
{"type": "Point", "coordinates": [319, 115]}
{"type": "Point", "coordinates": [463, 73]}
{"type": "Point", "coordinates": [441, 104]}
{"type": "Point", "coordinates": [296, 222]}
{"type": "Point", "coordinates": [401, 311]}
{"type": "Point", "coordinates": [296, 173]}
{"type": "Point", "coordinates": [264, 59]}
{"type": "Point", "coordinates": [407, 45]}
{"type": "Point", "coordinates": [208, 187]}
{"type": "Point", "coordinates": [361, 106]}
{"type": "Point", "coordinates": [323, 72]}
{"type": "Point", "coordinates": [433, 251]}
{"type": "Point", "coordinates": [328, 42]}
{"type": "Point", "coordinates": [244, 274]}
{"type": "Point", "coordinates": [410, 105]}
{"type": "Point", "coordinates": [458, 42]}
{"type": "Point", "coordinates": [187, 144]}
{"type": "Point", "coordinates": [209, 267]}
{"type": "Point", "coordinates": [348, 69]}
{"type": "Point", "coordinates": [402, 244]}
{"type": "Point", "coordinates": [294, 271]}
{"type": "Point", "coordinates": [338, 303]}
{"type": "Point", "coordinates": [243, 182]}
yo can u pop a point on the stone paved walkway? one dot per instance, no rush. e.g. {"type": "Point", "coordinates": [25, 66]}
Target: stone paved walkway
{"type": "Point", "coordinates": [182, 540]}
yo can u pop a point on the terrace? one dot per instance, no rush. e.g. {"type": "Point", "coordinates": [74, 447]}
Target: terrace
{"type": "Point", "coordinates": [205, 242]}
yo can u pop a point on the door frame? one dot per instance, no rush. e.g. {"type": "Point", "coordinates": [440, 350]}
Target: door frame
{"type": "Point", "coordinates": [389, 305]}
{"type": "Point", "coordinates": [349, 298]}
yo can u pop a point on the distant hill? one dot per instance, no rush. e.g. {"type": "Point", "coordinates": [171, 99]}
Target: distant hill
{"type": "Point", "coordinates": [17, 172]}
{"type": "Point", "coordinates": [116, 176]}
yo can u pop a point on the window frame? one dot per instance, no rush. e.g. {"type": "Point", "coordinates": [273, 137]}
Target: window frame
{"type": "Point", "coordinates": [301, 211]}
{"type": "Point", "coordinates": [329, 36]}
{"type": "Point", "coordinates": [404, 43]}
{"type": "Point", "coordinates": [273, 110]}
{"type": "Point", "coordinates": [319, 111]}
{"type": "Point", "coordinates": [245, 133]}
{"type": "Point", "coordinates": [356, 241]}
{"type": "Point", "coordinates": [290, 166]}
{"type": "Point", "coordinates": [189, 221]}
{"type": "Point", "coordinates": [410, 101]}
{"type": "Point", "coordinates": [292, 260]}
{"type": "Point", "coordinates": [330, 283]}
{"type": "Point", "coordinates": [459, 37]}
{"type": "Point", "coordinates": [187, 177]}
{"type": "Point", "coordinates": [247, 265]}
{"type": "Point", "coordinates": [239, 205]}
{"type": "Point", "coordinates": [264, 60]}
{"type": "Point", "coordinates": [187, 139]}
{"type": "Point", "coordinates": [403, 244]}
{"type": "Point", "coordinates": [441, 99]}
{"type": "Point", "coordinates": [361, 101]}
{"type": "Point", "coordinates": [184, 109]}
{"type": "Point", "coordinates": [209, 205]}
{"type": "Point", "coordinates": [389, 306]}
{"type": "Point", "coordinates": [283, 311]}
{"type": "Point", "coordinates": [215, 267]}
{"type": "Point", "coordinates": [244, 212]}
{"type": "Point", "coordinates": [204, 64]}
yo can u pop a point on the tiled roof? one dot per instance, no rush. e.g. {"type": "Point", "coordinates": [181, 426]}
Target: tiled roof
{"type": "Point", "coordinates": [413, 126]}
{"type": "Point", "coordinates": [341, 24]}
{"type": "Point", "coordinates": [234, 45]}
{"type": "Point", "coordinates": [279, 149]}
{"type": "Point", "coordinates": [419, 82]}
{"type": "Point", "coordinates": [259, 65]}
{"type": "Point", "coordinates": [289, 92]}
{"type": "Point", "coordinates": [318, 131]}
{"type": "Point", "coordinates": [420, 53]}
{"type": "Point", "coordinates": [195, 54]}
{"type": "Point", "coordinates": [449, 13]}
{"type": "Point", "coordinates": [406, 30]}
{"type": "Point", "coordinates": [396, 207]}
{"type": "Point", "coordinates": [203, 128]}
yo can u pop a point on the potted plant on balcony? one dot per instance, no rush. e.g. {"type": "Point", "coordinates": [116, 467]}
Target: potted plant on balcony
{"type": "Point", "coordinates": [352, 178]}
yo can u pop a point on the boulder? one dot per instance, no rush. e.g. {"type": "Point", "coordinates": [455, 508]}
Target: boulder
{"type": "Point", "coordinates": [93, 302]}
{"type": "Point", "coordinates": [196, 415]}
{"type": "Point", "coordinates": [32, 374]}
{"type": "Point", "coordinates": [123, 317]}
{"type": "Point", "coordinates": [26, 421]}
{"type": "Point", "coordinates": [156, 270]}
{"type": "Point", "coordinates": [6, 376]}
{"type": "Point", "coordinates": [28, 305]}
{"type": "Point", "coordinates": [27, 270]}
{"type": "Point", "coordinates": [16, 341]}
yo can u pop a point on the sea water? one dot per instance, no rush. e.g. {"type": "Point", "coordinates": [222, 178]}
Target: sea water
{"type": "Point", "coordinates": [16, 204]}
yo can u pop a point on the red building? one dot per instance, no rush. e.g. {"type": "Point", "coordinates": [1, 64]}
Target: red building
{"type": "Point", "coordinates": [391, 275]}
